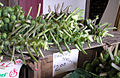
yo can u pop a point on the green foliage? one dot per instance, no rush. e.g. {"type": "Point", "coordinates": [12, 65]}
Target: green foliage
{"type": "Point", "coordinates": [28, 35]}
{"type": "Point", "coordinates": [80, 73]}
{"type": "Point", "coordinates": [104, 65]}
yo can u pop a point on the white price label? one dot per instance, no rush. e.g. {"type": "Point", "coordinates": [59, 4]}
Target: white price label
{"type": "Point", "coordinates": [65, 62]}
{"type": "Point", "coordinates": [9, 69]}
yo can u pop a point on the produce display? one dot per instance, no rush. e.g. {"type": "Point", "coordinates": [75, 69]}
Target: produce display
{"type": "Point", "coordinates": [107, 65]}
{"type": "Point", "coordinates": [20, 34]}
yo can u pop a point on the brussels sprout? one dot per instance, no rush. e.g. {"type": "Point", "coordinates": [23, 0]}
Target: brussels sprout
{"type": "Point", "coordinates": [13, 17]}
{"type": "Point", "coordinates": [4, 36]}
{"type": "Point", "coordinates": [9, 9]}
{"type": "Point", "coordinates": [118, 74]}
{"type": "Point", "coordinates": [6, 20]}
{"type": "Point", "coordinates": [106, 56]}
{"type": "Point", "coordinates": [98, 69]}
{"type": "Point", "coordinates": [5, 13]}
{"type": "Point", "coordinates": [33, 22]}
{"type": "Point", "coordinates": [43, 21]}
{"type": "Point", "coordinates": [18, 47]}
{"type": "Point", "coordinates": [85, 63]}
{"type": "Point", "coordinates": [1, 47]}
{"type": "Point", "coordinates": [88, 67]}
{"type": "Point", "coordinates": [95, 62]}
{"type": "Point", "coordinates": [7, 42]}
{"type": "Point", "coordinates": [117, 59]}
{"type": "Point", "coordinates": [29, 17]}
{"type": "Point", "coordinates": [1, 23]}
{"type": "Point", "coordinates": [21, 17]}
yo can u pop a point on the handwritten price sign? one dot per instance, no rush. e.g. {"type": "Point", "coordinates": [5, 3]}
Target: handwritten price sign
{"type": "Point", "coordinates": [9, 69]}
{"type": "Point", "coordinates": [65, 62]}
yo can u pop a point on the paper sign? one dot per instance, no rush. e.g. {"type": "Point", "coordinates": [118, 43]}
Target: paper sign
{"type": "Point", "coordinates": [65, 62]}
{"type": "Point", "coordinates": [9, 69]}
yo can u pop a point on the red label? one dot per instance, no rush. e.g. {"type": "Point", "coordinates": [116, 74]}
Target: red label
{"type": "Point", "coordinates": [13, 73]}
{"type": "Point", "coordinates": [18, 61]}
{"type": "Point", "coordinates": [5, 64]}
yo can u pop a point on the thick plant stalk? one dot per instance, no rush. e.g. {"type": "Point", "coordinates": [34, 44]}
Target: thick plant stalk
{"type": "Point", "coordinates": [41, 53]}
{"type": "Point", "coordinates": [28, 31]}
{"type": "Point", "coordinates": [31, 54]}
{"type": "Point", "coordinates": [10, 49]}
{"type": "Point", "coordinates": [115, 66]}
{"type": "Point", "coordinates": [58, 6]}
{"type": "Point", "coordinates": [61, 9]}
{"type": "Point", "coordinates": [49, 9]}
{"type": "Point", "coordinates": [45, 37]}
{"type": "Point", "coordinates": [38, 13]}
{"type": "Point", "coordinates": [23, 57]}
{"type": "Point", "coordinates": [66, 33]}
{"type": "Point", "coordinates": [15, 31]}
{"type": "Point", "coordinates": [89, 44]}
{"type": "Point", "coordinates": [66, 9]}
{"type": "Point", "coordinates": [55, 8]}
{"type": "Point", "coordinates": [13, 55]}
{"type": "Point", "coordinates": [76, 45]}
{"type": "Point", "coordinates": [56, 42]}
{"type": "Point", "coordinates": [110, 52]}
{"type": "Point", "coordinates": [34, 47]}
{"type": "Point", "coordinates": [43, 32]}
{"type": "Point", "coordinates": [116, 50]}
{"type": "Point", "coordinates": [29, 12]}
{"type": "Point", "coordinates": [1, 4]}
{"type": "Point", "coordinates": [33, 35]}
{"type": "Point", "coordinates": [101, 56]}
{"type": "Point", "coordinates": [67, 47]}
{"type": "Point", "coordinates": [34, 30]}
{"type": "Point", "coordinates": [81, 48]}
{"type": "Point", "coordinates": [60, 16]}
{"type": "Point", "coordinates": [51, 17]}
{"type": "Point", "coordinates": [22, 29]}
{"type": "Point", "coordinates": [48, 15]}
{"type": "Point", "coordinates": [72, 14]}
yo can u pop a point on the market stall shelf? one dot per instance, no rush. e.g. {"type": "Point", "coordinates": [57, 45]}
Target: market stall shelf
{"type": "Point", "coordinates": [45, 65]}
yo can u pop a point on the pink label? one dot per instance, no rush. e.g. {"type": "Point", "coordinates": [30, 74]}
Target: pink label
{"type": "Point", "coordinates": [10, 70]}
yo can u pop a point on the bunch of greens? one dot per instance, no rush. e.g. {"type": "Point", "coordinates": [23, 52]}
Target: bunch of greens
{"type": "Point", "coordinates": [107, 65]}
{"type": "Point", "coordinates": [10, 20]}
{"type": "Point", "coordinates": [23, 35]}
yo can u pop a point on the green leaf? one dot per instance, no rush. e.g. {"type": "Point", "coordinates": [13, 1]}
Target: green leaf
{"type": "Point", "coordinates": [116, 59]}
{"type": "Point", "coordinates": [80, 73]}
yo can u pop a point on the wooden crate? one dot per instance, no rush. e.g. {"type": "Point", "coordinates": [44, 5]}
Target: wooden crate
{"type": "Point", "coordinates": [45, 66]}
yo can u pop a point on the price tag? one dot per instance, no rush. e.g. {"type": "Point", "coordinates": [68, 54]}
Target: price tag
{"type": "Point", "coordinates": [65, 62]}
{"type": "Point", "coordinates": [9, 69]}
